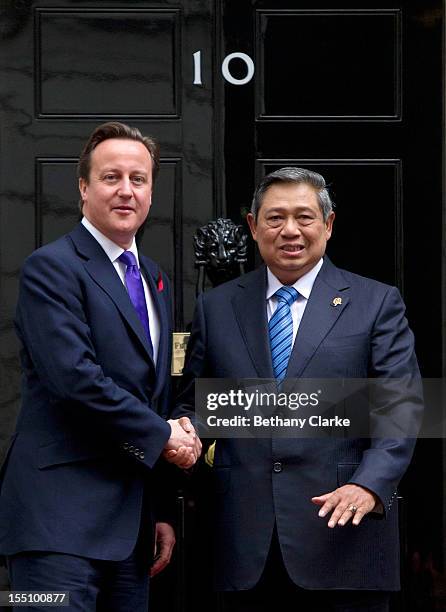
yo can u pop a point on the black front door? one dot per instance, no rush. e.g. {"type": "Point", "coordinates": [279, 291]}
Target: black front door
{"type": "Point", "coordinates": [355, 92]}
{"type": "Point", "coordinates": [67, 66]}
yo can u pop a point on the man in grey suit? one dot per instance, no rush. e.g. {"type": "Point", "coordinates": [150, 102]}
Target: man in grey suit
{"type": "Point", "coordinates": [295, 517]}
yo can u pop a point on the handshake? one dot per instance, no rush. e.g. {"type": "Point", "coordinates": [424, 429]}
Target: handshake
{"type": "Point", "coordinates": [183, 447]}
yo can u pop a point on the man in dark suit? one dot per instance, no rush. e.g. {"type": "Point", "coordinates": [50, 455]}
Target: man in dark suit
{"type": "Point", "coordinates": [294, 517]}
{"type": "Point", "coordinates": [83, 494]}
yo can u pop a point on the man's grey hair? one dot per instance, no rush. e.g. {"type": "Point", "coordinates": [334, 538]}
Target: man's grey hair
{"type": "Point", "coordinates": [294, 175]}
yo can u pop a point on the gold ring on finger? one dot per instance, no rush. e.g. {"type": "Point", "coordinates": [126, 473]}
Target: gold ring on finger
{"type": "Point", "coordinates": [352, 508]}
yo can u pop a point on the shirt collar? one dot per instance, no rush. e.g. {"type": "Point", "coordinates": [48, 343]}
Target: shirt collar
{"type": "Point", "coordinates": [303, 285]}
{"type": "Point", "coordinates": [112, 250]}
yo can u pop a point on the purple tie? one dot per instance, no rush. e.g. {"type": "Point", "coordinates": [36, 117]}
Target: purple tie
{"type": "Point", "coordinates": [135, 288]}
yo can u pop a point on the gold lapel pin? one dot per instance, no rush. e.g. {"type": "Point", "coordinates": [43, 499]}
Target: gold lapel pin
{"type": "Point", "coordinates": [337, 301]}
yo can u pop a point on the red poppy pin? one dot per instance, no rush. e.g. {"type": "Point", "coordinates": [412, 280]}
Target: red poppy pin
{"type": "Point", "coordinates": [159, 283]}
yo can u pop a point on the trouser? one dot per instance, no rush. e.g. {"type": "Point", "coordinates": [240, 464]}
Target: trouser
{"type": "Point", "coordinates": [93, 585]}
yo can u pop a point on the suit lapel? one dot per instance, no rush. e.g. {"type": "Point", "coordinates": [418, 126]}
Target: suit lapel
{"type": "Point", "coordinates": [151, 272]}
{"type": "Point", "coordinates": [102, 271]}
{"type": "Point", "coordinates": [253, 321]}
{"type": "Point", "coordinates": [321, 313]}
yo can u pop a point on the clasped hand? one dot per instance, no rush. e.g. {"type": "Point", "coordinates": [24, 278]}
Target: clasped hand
{"type": "Point", "coordinates": [183, 447]}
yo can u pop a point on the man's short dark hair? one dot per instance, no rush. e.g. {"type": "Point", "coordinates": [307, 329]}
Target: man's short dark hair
{"type": "Point", "coordinates": [291, 174]}
{"type": "Point", "coordinates": [115, 129]}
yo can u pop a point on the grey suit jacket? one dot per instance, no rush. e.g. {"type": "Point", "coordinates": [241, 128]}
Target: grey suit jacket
{"type": "Point", "coordinates": [367, 335]}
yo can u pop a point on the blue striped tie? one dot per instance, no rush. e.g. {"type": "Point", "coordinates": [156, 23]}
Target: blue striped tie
{"type": "Point", "coordinates": [281, 331]}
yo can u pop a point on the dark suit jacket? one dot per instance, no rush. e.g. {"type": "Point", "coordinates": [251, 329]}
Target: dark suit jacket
{"type": "Point", "coordinates": [365, 336]}
{"type": "Point", "coordinates": [91, 427]}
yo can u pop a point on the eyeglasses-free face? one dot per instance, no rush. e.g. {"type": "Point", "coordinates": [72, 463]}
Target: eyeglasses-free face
{"type": "Point", "coordinates": [290, 230]}
{"type": "Point", "coordinates": [118, 193]}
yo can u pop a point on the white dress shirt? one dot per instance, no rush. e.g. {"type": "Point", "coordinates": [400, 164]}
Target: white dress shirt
{"type": "Point", "coordinates": [113, 252]}
{"type": "Point", "coordinates": [303, 286]}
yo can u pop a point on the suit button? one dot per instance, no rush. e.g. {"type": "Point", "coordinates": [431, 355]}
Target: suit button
{"type": "Point", "coordinates": [125, 445]}
{"type": "Point", "coordinates": [277, 467]}
{"type": "Point", "coordinates": [131, 448]}
{"type": "Point", "coordinates": [141, 456]}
